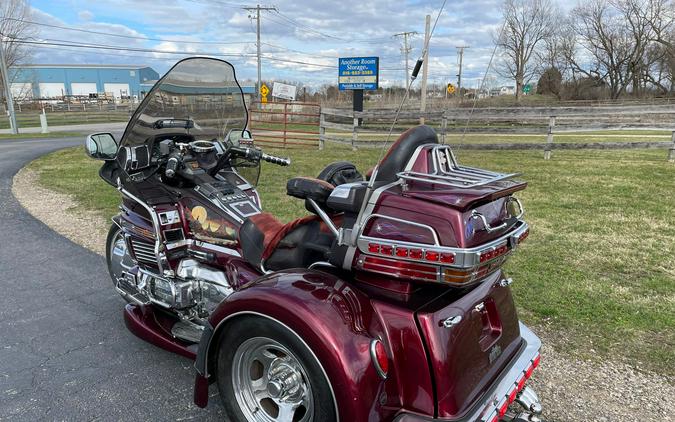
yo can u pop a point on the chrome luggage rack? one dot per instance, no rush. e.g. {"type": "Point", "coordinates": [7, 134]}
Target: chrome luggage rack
{"type": "Point", "coordinates": [446, 171]}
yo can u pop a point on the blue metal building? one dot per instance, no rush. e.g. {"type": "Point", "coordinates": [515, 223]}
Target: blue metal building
{"type": "Point", "coordinates": [53, 81]}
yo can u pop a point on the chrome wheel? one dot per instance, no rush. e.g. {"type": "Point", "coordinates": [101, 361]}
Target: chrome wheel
{"type": "Point", "coordinates": [270, 383]}
{"type": "Point", "coordinates": [119, 259]}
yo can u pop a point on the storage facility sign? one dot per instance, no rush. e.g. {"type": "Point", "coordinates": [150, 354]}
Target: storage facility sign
{"type": "Point", "coordinates": [358, 73]}
{"type": "Point", "coordinates": [284, 91]}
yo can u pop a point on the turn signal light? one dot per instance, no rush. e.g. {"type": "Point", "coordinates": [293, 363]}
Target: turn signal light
{"type": "Point", "coordinates": [524, 235]}
{"type": "Point", "coordinates": [380, 360]}
{"type": "Point", "coordinates": [488, 255]}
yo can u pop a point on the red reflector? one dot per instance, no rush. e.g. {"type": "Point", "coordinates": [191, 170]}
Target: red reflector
{"type": "Point", "coordinates": [431, 256]}
{"type": "Point", "coordinates": [403, 252]}
{"type": "Point", "coordinates": [380, 359]}
{"type": "Point", "coordinates": [448, 258]}
{"type": "Point", "coordinates": [502, 410]}
{"type": "Point", "coordinates": [521, 382]}
{"type": "Point", "coordinates": [512, 395]}
{"type": "Point", "coordinates": [495, 418]}
{"type": "Point", "coordinates": [373, 247]}
{"type": "Point", "coordinates": [528, 373]}
{"type": "Point", "coordinates": [415, 253]}
{"type": "Point", "coordinates": [386, 250]}
{"type": "Point", "coordinates": [536, 361]}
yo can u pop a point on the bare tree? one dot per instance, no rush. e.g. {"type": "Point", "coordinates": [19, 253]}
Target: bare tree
{"type": "Point", "coordinates": [527, 24]}
{"type": "Point", "coordinates": [615, 39]}
{"type": "Point", "coordinates": [14, 15]}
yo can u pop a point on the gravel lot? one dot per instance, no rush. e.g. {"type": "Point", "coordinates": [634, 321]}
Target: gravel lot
{"type": "Point", "coordinates": [571, 389]}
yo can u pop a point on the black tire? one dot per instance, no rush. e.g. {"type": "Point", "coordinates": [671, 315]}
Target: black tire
{"type": "Point", "coordinates": [255, 327]}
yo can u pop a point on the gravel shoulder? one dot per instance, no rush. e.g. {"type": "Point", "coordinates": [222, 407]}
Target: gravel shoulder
{"type": "Point", "coordinates": [571, 389]}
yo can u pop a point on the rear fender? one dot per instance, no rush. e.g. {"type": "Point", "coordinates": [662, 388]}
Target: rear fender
{"type": "Point", "coordinates": [336, 322]}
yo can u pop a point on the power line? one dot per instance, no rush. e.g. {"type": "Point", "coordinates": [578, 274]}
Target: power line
{"type": "Point", "coordinates": [406, 49]}
{"type": "Point", "coordinates": [110, 34]}
{"type": "Point", "coordinates": [257, 9]}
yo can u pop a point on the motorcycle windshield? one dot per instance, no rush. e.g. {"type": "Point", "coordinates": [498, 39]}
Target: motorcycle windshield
{"type": "Point", "coordinates": [199, 97]}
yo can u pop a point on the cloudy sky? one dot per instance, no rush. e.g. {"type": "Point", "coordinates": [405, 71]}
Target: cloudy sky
{"type": "Point", "coordinates": [301, 42]}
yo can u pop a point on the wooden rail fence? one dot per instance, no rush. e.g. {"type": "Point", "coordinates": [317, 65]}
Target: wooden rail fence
{"type": "Point", "coordinates": [361, 129]}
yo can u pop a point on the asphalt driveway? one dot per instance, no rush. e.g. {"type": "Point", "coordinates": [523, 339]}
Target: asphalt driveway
{"type": "Point", "coordinates": [65, 353]}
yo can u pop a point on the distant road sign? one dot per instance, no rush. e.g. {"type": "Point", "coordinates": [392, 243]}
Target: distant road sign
{"type": "Point", "coordinates": [527, 88]}
{"type": "Point", "coordinates": [358, 73]}
{"type": "Point", "coordinates": [264, 90]}
{"type": "Point", "coordinates": [284, 91]}
{"type": "Point", "coordinates": [451, 89]}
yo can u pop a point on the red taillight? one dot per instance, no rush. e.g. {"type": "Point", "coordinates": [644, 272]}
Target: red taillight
{"type": "Point", "coordinates": [402, 252]}
{"type": "Point", "coordinates": [448, 258]}
{"type": "Point", "coordinates": [431, 256]}
{"type": "Point", "coordinates": [380, 359]}
{"type": "Point", "coordinates": [373, 248]}
{"type": "Point", "coordinates": [386, 250]}
{"type": "Point", "coordinates": [399, 268]}
{"type": "Point", "coordinates": [536, 361]}
{"type": "Point", "coordinates": [415, 253]}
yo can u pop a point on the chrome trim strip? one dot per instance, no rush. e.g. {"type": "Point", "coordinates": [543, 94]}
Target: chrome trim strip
{"type": "Point", "coordinates": [323, 371]}
{"type": "Point", "coordinates": [433, 232]}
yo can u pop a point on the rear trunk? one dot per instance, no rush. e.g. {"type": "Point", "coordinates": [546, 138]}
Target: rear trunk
{"type": "Point", "coordinates": [467, 357]}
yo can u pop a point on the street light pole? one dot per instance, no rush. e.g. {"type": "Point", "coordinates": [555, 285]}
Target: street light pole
{"type": "Point", "coordinates": [8, 90]}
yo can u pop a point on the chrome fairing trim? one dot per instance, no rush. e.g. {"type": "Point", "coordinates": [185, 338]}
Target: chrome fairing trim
{"type": "Point", "coordinates": [153, 215]}
{"type": "Point", "coordinates": [464, 257]}
{"type": "Point", "coordinates": [204, 245]}
{"type": "Point", "coordinates": [316, 359]}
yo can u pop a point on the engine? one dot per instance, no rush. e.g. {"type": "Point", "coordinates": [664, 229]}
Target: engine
{"type": "Point", "coordinates": [194, 293]}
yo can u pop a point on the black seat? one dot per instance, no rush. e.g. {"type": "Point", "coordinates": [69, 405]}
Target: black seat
{"type": "Point", "coordinates": [402, 150]}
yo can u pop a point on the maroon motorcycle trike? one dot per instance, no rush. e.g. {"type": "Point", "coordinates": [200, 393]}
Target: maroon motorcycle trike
{"type": "Point", "coordinates": [387, 302]}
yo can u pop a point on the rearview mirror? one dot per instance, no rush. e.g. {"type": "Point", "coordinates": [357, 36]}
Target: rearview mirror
{"type": "Point", "coordinates": [101, 146]}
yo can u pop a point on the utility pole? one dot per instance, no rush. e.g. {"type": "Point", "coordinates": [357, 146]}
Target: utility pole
{"type": "Point", "coordinates": [459, 75]}
{"type": "Point", "coordinates": [257, 10]}
{"type": "Point", "coordinates": [425, 69]}
{"type": "Point", "coordinates": [406, 49]}
{"type": "Point", "coordinates": [8, 89]}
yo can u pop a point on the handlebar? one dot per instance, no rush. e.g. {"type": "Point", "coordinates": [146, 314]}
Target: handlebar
{"type": "Point", "coordinates": [172, 164]}
{"type": "Point", "coordinates": [276, 160]}
{"type": "Point", "coordinates": [257, 155]}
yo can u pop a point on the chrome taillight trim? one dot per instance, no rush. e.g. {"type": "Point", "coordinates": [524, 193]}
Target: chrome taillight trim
{"type": "Point", "coordinates": [400, 220]}
{"type": "Point", "coordinates": [464, 257]}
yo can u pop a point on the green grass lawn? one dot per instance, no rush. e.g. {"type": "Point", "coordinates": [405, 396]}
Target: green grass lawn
{"type": "Point", "coordinates": [41, 135]}
{"type": "Point", "coordinates": [597, 272]}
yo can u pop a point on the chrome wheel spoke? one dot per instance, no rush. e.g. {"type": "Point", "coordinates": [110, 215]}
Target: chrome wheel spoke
{"type": "Point", "coordinates": [269, 383]}
{"type": "Point", "coordinates": [287, 411]}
